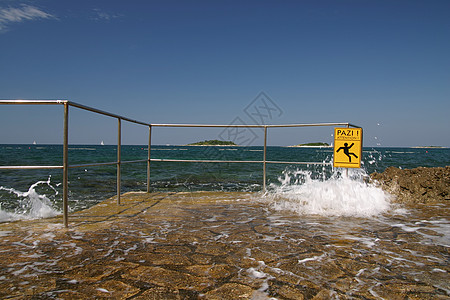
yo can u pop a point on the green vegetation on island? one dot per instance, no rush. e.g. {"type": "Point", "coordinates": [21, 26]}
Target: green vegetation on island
{"type": "Point", "coordinates": [318, 144]}
{"type": "Point", "coordinates": [426, 147]}
{"type": "Point", "coordinates": [213, 143]}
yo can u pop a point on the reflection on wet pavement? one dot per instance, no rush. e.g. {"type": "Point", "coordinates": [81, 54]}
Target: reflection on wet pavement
{"type": "Point", "coordinates": [216, 245]}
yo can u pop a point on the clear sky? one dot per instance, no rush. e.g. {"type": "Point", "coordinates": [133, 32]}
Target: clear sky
{"type": "Point", "coordinates": [383, 65]}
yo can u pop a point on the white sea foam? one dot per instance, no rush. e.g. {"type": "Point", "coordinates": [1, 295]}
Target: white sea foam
{"type": "Point", "coordinates": [32, 205]}
{"type": "Point", "coordinates": [339, 195]}
{"type": "Point", "coordinates": [254, 273]}
{"type": "Point", "coordinates": [315, 258]}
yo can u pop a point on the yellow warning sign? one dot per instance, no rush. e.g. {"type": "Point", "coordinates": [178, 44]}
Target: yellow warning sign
{"type": "Point", "coordinates": [347, 147]}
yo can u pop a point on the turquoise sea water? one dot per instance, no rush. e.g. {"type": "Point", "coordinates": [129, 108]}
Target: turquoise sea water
{"type": "Point", "coordinates": [89, 185]}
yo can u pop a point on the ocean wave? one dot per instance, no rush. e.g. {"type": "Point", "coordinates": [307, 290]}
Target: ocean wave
{"type": "Point", "coordinates": [339, 195]}
{"type": "Point", "coordinates": [30, 204]}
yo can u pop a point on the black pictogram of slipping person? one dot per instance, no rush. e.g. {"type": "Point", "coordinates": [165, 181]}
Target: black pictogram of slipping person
{"type": "Point", "coordinates": [346, 147]}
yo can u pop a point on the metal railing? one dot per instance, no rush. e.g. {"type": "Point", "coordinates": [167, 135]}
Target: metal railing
{"type": "Point", "coordinates": [65, 163]}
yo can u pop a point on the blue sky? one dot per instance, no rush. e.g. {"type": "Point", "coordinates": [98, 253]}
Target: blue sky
{"type": "Point", "coordinates": [383, 65]}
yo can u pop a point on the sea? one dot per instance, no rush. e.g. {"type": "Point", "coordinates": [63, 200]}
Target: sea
{"type": "Point", "coordinates": [30, 194]}
{"type": "Point", "coordinates": [317, 231]}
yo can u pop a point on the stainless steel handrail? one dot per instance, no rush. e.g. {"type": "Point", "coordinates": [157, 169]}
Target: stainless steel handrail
{"type": "Point", "coordinates": [207, 161]}
{"type": "Point", "coordinates": [240, 161]}
{"type": "Point", "coordinates": [29, 167]}
{"type": "Point", "coordinates": [33, 102]}
{"type": "Point", "coordinates": [256, 126]}
{"type": "Point", "coordinates": [298, 162]}
{"type": "Point", "coordinates": [93, 165]}
{"type": "Point", "coordinates": [71, 103]}
{"type": "Point", "coordinates": [65, 167]}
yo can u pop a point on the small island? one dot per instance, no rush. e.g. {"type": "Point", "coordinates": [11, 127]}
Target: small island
{"type": "Point", "coordinates": [213, 143]}
{"type": "Point", "coordinates": [318, 144]}
{"type": "Point", "coordinates": [429, 147]}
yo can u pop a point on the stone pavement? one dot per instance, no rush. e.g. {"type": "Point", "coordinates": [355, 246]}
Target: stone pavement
{"type": "Point", "coordinates": [215, 245]}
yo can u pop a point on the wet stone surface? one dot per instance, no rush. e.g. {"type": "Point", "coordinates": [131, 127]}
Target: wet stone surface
{"type": "Point", "coordinates": [225, 246]}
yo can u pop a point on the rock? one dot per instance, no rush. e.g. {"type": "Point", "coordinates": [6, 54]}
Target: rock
{"type": "Point", "coordinates": [167, 278]}
{"type": "Point", "coordinates": [420, 185]}
{"type": "Point", "coordinates": [112, 288]}
{"type": "Point", "coordinates": [231, 291]}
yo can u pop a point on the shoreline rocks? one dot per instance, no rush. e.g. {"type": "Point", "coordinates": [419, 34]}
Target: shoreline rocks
{"type": "Point", "coordinates": [419, 185]}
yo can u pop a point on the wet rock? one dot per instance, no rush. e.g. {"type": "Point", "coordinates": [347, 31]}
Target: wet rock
{"type": "Point", "coordinates": [159, 292]}
{"type": "Point", "coordinates": [112, 288]}
{"type": "Point", "coordinates": [159, 259]}
{"type": "Point", "coordinates": [213, 271]}
{"type": "Point", "coordinates": [94, 272]}
{"type": "Point", "coordinates": [168, 278]}
{"type": "Point", "coordinates": [265, 255]}
{"type": "Point", "coordinates": [230, 291]}
{"type": "Point", "coordinates": [289, 292]}
{"type": "Point", "coordinates": [420, 185]}
{"type": "Point", "coordinates": [325, 294]}
{"type": "Point", "coordinates": [346, 284]}
{"type": "Point", "coordinates": [214, 249]}
{"type": "Point", "coordinates": [200, 258]}
{"type": "Point", "coordinates": [63, 294]}
{"type": "Point", "coordinates": [353, 267]}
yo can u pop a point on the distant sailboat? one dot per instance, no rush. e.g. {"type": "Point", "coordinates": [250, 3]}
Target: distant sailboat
{"type": "Point", "coordinates": [102, 143]}
{"type": "Point", "coordinates": [34, 143]}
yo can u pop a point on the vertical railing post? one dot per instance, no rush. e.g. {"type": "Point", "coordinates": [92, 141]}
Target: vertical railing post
{"type": "Point", "coordinates": [119, 161]}
{"type": "Point", "coordinates": [148, 161]}
{"type": "Point", "coordinates": [66, 165]}
{"type": "Point", "coordinates": [265, 156]}
{"type": "Point", "coordinates": [346, 169]}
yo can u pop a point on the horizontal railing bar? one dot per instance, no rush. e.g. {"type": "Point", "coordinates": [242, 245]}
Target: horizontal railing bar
{"type": "Point", "coordinates": [205, 125]}
{"type": "Point", "coordinates": [93, 165]}
{"type": "Point", "coordinates": [308, 125]}
{"type": "Point", "coordinates": [34, 102]}
{"type": "Point", "coordinates": [81, 106]}
{"type": "Point", "coordinates": [240, 161]}
{"type": "Point", "coordinates": [133, 161]}
{"type": "Point", "coordinates": [206, 161]}
{"type": "Point", "coordinates": [74, 104]}
{"type": "Point", "coordinates": [29, 167]}
{"type": "Point", "coordinates": [298, 162]}
{"type": "Point", "coordinates": [253, 126]}
{"type": "Point", "coordinates": [107, 163]}
{"type": "Point", "coordinates": [71, 166]}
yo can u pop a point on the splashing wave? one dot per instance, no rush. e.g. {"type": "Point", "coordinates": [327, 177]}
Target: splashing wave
{"type": "Point", "coordinates": [339, 195]}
